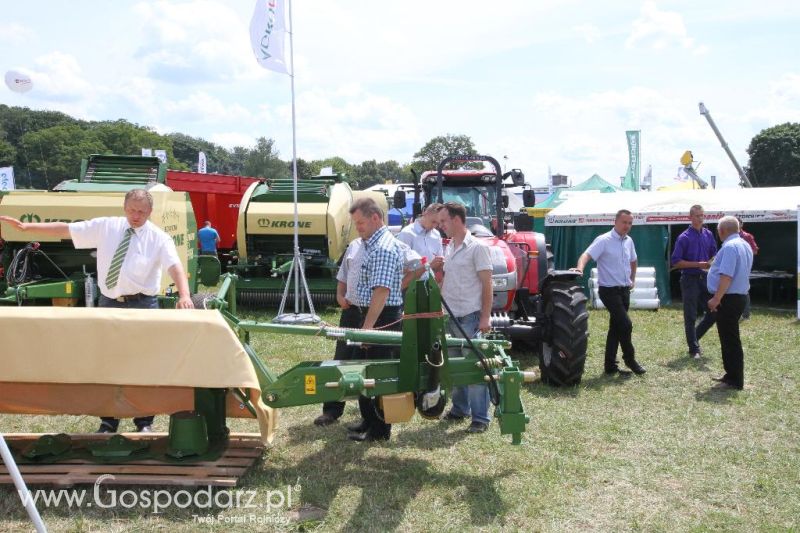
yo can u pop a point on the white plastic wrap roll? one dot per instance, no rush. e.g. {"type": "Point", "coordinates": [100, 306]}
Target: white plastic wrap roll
{"type": "Point", "coordinates": [644, 303]}
{"type": "Point", "coordinates": [650, 293]}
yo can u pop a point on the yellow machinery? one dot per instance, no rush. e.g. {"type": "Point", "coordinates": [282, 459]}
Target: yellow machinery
{"type": "Point", "coordinates": [266, 235]}
{"type": "Point", "coordinates": [52, 271]}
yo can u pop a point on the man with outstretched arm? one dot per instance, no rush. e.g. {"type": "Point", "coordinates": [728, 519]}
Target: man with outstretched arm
{"type": "Point", "coordinates": [131, 252]}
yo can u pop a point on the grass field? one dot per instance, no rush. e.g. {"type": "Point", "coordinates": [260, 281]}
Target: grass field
{"type": "Point", "coordinates": [664, 452]}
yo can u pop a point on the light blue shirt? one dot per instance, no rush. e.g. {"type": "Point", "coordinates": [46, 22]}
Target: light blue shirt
{"type": "Point", "coordinates": [614, 255]}
{"type": "Point", "coordinates": [734, 259]}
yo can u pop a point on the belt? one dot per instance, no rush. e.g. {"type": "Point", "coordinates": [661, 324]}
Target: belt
{"type": "Point", "coordinates": [132, 297]}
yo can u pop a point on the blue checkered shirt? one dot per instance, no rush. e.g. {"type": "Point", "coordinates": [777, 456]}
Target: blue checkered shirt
{"type": "Point", "coordinates": [382, 266]}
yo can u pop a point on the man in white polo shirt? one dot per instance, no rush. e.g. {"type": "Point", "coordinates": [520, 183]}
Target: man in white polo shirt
{"type": "Point", "coordinates": [467, 289]}
{"type": "Point", "coordinates": [422, 236]}
{"type": "Point", "coordinates": [131, 252]}
{"type": "Point", "coordinates": [616, 271]}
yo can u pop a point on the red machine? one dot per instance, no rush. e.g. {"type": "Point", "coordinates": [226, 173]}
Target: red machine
{"type": "Point", "coordinates": [216, 198]}
{"type": "Point", "coordinates": [533, 303]}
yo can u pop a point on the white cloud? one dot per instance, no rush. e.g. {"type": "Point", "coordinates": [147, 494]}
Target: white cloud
{"type": "Point", "coordinates": [16, 34]}
{"type": "Point", "coordinates": [199, 41]}
{"type": "Point", "coordinates": [347, 121]}
{"type": "Point", "coordinates": [589, 32]}
{"type": "Point", "coordinates": [58, 77]}
{"type": "Point", "coordinates": [583, 135]}
{"type": "Point", "coordinates": [660, 30]}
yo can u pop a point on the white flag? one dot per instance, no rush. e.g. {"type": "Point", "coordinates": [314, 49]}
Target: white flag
{"type": "Point", "coordinates": [147, 152]}
{"type": "Point", "coordinates": [268, 33]}
{"type": "Point", "coordinates": [6, 178]}
{"type": "Point", "coordinates": [201, 163]}
{"type": "Point", "coordinates": [161, 155]}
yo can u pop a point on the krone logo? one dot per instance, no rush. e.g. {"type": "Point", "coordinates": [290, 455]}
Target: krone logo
{"type": "Point", "coordinates": [30, 217]}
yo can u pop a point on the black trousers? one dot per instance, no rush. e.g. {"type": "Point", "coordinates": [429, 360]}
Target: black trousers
{"type": "Point", "coordinates": [618, 300]}
{"type": "Point", "coordinates": [351, 318]}
{"type": "Point", "coordinates": [370, 411]}
{"type": "Point", "coordinates": [150, 302]}
{"type": "Point", "coordinates": [728, 314]}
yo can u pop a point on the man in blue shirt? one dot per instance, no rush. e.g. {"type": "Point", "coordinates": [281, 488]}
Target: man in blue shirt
{"type": "Point", "coordinates": [729, 282]}
{"type": "Point", "coordinates": [209, 239]}
{"type": "Point", "coordinates": [693, 250]}
{"type": "Point", "coordinates": [616, 272]}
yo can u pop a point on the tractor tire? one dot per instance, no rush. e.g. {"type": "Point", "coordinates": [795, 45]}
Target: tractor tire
{"type": "Point", "coordinates": [564, 347]}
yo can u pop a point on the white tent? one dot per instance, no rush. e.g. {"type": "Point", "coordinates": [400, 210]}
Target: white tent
{"type": "Point", "coordinates": [770, 213]}
{"type": "Point", "coordinates": [760, 204]}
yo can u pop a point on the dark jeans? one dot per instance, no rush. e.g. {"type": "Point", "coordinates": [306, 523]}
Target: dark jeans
{"type": "Point", "coordinates": [695, 297]}
{"type": "Point", "coordinates": [370, 411]}
{"type": "Point", "coordinates": [728, 314]}
{"type": "Point", "coordinates": [148, 302]}
{"type": "Point", "coordinates": [618, 300]}
{"type": "Point", "coordinates": [351, 318]}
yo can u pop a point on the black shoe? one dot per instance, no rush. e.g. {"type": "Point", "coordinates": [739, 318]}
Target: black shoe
{"type": "Point", "coordinates": [360, 427]}
{"type": "Point", "coordinates": [477, 427]}
{"type": "Point", "coordinates": [617, 370]}
{"type": "Point", "coordinates": [721, 379]}
{"type": "Point", "coordinates": [367, 436]}
{"type": "Point", "coordinates": [105, 428]}
{"type": "Point", "coordinates": [451, 417]}
{"type": "Point", "coordinates": [612, 370]}
{"type": "Point", "coordinates": [636, 368]}
{"type": "Point", "coordinates": [325, 420]}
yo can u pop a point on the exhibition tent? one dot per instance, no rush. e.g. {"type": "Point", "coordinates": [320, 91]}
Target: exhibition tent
{"type": "Point", "coordinates": [769, 213]}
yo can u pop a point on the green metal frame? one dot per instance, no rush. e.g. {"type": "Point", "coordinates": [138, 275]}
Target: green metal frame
{"type": "Point", "coordinates": [315, 382]}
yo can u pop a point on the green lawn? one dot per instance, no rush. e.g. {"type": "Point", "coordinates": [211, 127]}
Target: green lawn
{"type": "Point", "coordinates": [662, 452]}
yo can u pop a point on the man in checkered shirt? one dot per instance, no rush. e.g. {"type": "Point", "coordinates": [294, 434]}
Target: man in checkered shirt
{"type": "Point", "coordinates": [379, 298]}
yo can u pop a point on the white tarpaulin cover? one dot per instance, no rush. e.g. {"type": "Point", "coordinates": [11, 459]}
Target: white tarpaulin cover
{"type": "Point", "coordinates": [759, 204]}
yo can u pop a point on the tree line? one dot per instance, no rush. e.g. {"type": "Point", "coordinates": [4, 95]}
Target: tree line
{"type": "Point", "coordinates": [46, 147]}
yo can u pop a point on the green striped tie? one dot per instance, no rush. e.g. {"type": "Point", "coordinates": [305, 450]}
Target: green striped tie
{"type": "Point", "coordinates": [118, 259]}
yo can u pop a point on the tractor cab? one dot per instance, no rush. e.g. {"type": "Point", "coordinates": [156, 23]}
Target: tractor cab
{"type": "Point", "coordinates": [531, 302]}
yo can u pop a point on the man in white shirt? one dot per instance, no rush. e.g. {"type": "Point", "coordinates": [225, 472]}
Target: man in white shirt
{"type": "Point", "coordinates": [422, 236]}
{"type": "Point", "coordinates": [346, 296]}
{"type": "Point", "coordinates": [131, 252]}
{"type": "Point", "coordinates": [467, 289]}
{"type": "Point", "coordinates": [616, 272]}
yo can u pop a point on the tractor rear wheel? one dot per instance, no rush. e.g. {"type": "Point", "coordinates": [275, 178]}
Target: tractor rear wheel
{"type": "Point", "coordinates": [564, 347]}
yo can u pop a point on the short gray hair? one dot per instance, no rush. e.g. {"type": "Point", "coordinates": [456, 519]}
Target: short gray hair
{"type": "Point", "coordinates": [729, 224]}
{"type": "Point", "coordinates": [139, 195]}
{"type": "Point", "coordinates": [367, 207]}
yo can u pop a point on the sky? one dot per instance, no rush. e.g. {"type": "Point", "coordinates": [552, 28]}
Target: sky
{"type": "Point", "coordinates": [544, 84]}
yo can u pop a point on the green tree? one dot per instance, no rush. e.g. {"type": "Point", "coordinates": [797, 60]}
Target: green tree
{"type": "Point", "coordinates": [775, 156]}
{"type": "Point", "coordinates": [438, 148]}
{"type": "Point", "coordinates": [121, 137]}
{"type": "Point", "coordinates": [8, 154]}
{"type": "Point", "coordinates": [263, 161]}
{"type": "Point", "coordinates": [54, 154]}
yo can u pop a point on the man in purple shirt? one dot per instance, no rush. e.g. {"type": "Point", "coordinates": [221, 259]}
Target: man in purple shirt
{"type": "Point", "coordinates": [693, 250]}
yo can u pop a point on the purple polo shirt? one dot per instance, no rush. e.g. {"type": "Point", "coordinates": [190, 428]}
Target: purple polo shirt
{"type": "Point", "coordinates": [693, 245]}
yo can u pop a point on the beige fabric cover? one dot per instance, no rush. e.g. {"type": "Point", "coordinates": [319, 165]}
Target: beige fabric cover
{"type": "Point", "coordinates": [121, 362]}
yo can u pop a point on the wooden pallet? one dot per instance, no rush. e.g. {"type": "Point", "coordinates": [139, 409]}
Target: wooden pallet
{"type": "Point", "coordinates": [243, 450]}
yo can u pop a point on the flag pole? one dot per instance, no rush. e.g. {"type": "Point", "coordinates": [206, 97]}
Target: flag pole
{"type": "Point", "coordinates": [297, 274]}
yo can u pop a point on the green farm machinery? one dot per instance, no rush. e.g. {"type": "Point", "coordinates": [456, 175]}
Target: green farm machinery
{"type": "Point", "coordinates": [429, 363]}
{"type": "Point", "coordinates": [52, 271]}
{"type": "Point", "coordinates": [265, 236]}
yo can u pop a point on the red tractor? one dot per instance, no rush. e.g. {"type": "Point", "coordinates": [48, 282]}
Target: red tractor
{"type": "Point", "coordinates": [533, 303]}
